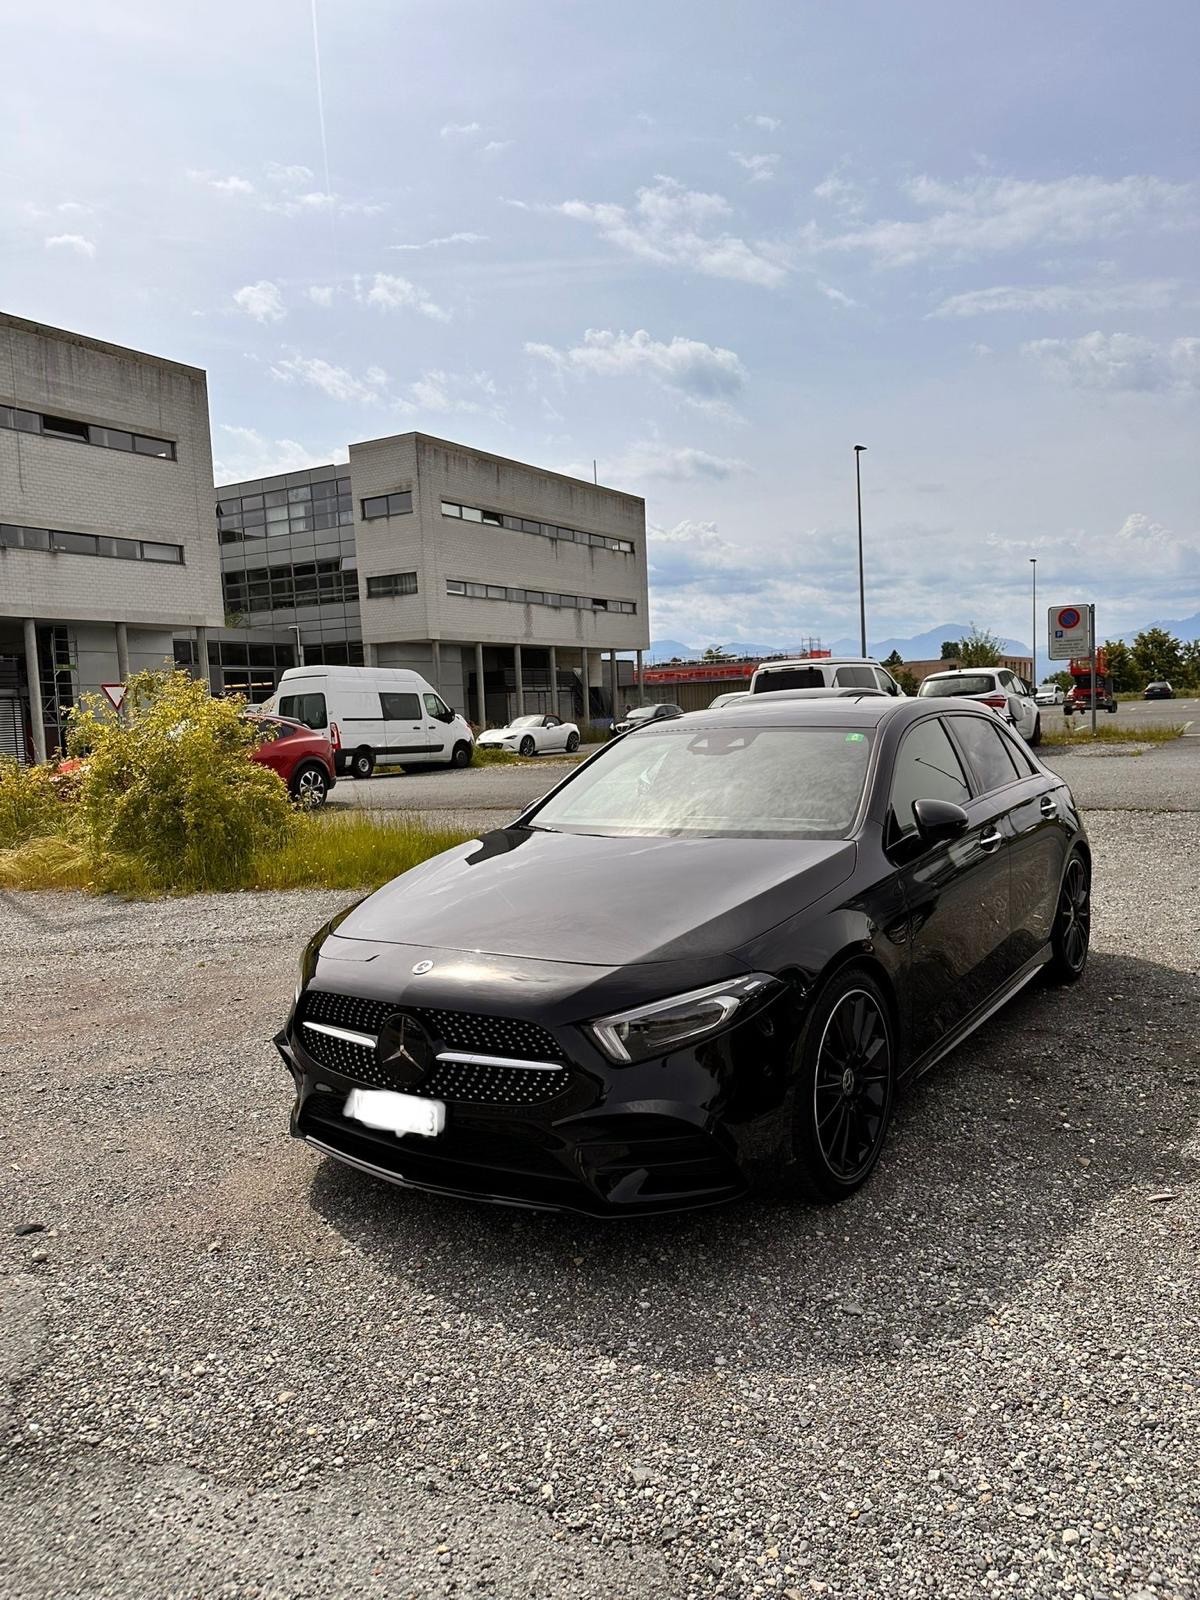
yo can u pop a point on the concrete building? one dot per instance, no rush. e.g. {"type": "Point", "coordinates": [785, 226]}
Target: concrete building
{"type": "Point", "coordinates": [107, 545]}
{"type": "Point", "coordinates": [505, 585]}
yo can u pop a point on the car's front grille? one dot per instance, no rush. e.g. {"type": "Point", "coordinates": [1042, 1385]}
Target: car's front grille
{"type": "Point", "coordinates": [476, 1082]}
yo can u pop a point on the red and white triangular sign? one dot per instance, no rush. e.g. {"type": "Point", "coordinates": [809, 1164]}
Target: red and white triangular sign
{"type": "Point", "coordinates": [114, 693]}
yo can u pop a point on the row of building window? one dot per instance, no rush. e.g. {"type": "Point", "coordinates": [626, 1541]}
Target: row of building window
{"type": "Point", "coordinates": [304, 508]}
{"type": "Point", "coordinates": [87, 544]}
{"type": "Point", "coordinates": [300, 494]}
{"type": "Point", "coordinates": [310, 520]}
{"type": "Point", "coordinates": [398, 504]}
{"type": "Point", "coordinates": [534, 597]}
{"type": "Point", "coordinates": [548, 530]}
{"type": "Point", "coordinates": [290, 584]}
{"type": "Point", "coordinates": [385, 585]}
{"type": "Point", "coordinates": [141, 444]}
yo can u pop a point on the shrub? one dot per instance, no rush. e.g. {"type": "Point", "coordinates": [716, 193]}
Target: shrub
{"type": "Point", "coordinates": [29, 806]}
{"type": "Point", "coordinates": [169, 799]}
{"type": "Point", "coordinates": [329, 851]}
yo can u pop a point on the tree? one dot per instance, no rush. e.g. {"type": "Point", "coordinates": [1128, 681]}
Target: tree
{"type": "Point", "coordinates": [905, 679]}
{"type": "Point", "coordinates": [950, 649]}
{"type": "Point", "coordinates": [1191, 663]}
{"type": "Point", "coordinates": [1120, 665]}
{"type": "Point", "coordinates": [1156, 654]}
{"type": "Point", "coordinates": [894, 660]}
{"type": "Point", "coordinates": [979, 649]}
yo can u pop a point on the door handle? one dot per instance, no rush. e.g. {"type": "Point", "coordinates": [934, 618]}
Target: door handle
{"type": "Point", "coordinates": [1049, 806]}
{"type": "Point", "coordinates": [991, 840]}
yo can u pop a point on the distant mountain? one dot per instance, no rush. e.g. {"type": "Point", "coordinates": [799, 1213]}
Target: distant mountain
{"type": "Point", "coordinates": [669, 649]}
{"type": "Point", "coordinates": [925, 646]}
{"type": "Point", "coordinates": [1187, 629]}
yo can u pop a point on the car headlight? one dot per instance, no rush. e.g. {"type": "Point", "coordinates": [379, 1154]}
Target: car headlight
{"type": "Point", "coordinates": [651, 1029]}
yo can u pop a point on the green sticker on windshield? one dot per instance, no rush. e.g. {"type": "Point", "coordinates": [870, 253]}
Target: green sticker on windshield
{"type": "Point", "coordinates": [855, 738]}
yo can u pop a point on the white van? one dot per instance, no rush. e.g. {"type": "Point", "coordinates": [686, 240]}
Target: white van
{"type": "Point", "coordinates": [374, 714]}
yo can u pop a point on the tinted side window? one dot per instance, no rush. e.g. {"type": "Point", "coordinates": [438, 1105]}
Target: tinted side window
{"type": "Point", "coordinates": [855, 678]}
{"type": "Point", "coordinates": [927, 768]}
{"type": "Point", "coordinates": [306, 708]}
{"type": "Point", "coordinates": [400, 707]}
{"type": "Point", "coordinates": [987, 751]}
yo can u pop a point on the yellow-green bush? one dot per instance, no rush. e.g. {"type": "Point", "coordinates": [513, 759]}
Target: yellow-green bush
{"type": "Point", "coordinates": [29, 807]}
{"type": "Point", "coordinates": [169, 800]}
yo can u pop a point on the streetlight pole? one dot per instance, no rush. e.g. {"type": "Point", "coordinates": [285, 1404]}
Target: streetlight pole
{"type": "Point", "coordinates": [862, 592]}
{"type": "Point", "coordinates": [1033, 635]}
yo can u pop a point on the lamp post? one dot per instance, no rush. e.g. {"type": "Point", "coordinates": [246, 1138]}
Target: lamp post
{"type": "Point", "coordinates": [294, 627]}
{"type": "Point", "coordinates": [1033, 634]}
{"type": "Point", "coordinates": [862, 592]}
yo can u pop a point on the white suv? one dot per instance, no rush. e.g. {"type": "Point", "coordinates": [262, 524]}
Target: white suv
{"type": "Point", "coordinates": [823, 672]}
{"type": "Point", "coordinates": [997, 687]}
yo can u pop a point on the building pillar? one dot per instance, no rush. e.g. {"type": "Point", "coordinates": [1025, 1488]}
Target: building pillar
{"type": "Point", "coordinates": [520, 680]}
{"type": "Point", "coordinates": [641, 680]}
{"type": "Point", "coordinates": [33, 673]}
{"type": "Point", "coordinates": [480, 697]}
{"type": "Point", "coordinates": [553, 681]}
{"type": "Point", "coordinates": [587, 688]}
{"type": "Point", "coordinates": [437, 664]}
{"type": "Point", "coordinates": [615, 690]}
{"type": "Point", "coordinates": [122, 652]}
{"type": "Point", "coordinates": [203, 672]}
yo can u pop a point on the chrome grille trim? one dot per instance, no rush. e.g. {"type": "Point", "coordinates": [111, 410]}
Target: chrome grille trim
{"type": "Point", "coordinates": [367, 1041]}
{"type": "Point", "coordinates": [465, 1059]}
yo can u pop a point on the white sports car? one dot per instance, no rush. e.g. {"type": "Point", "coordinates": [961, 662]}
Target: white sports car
{"type": "Point", "coordinates": [532, 736]}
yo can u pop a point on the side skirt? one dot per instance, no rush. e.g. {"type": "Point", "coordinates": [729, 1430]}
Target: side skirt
{"type": "Point", "coordinates": [943, 1047]}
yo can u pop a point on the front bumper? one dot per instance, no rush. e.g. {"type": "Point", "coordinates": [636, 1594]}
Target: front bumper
{"type": "Point", "coordinates": [695, 1128]}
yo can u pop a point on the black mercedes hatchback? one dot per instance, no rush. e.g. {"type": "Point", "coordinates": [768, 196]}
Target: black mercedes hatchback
{"type": "Point", "coordinates": [710, 959]}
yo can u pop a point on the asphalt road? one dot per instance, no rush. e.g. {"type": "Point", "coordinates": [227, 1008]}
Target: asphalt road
{"type": "Point", "coordinates": [228, 1368]}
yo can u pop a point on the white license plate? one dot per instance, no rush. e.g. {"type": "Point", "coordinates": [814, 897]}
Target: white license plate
{"type": "Point", "coordinates": [396, 1113]}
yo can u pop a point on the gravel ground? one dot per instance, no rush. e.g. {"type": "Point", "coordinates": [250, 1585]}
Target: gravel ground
{"type": "Point", "coordinates": [230, 1369]}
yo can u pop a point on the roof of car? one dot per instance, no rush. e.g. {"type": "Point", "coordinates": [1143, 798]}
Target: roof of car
{"type": "Point", "coordinates": [819, 661]}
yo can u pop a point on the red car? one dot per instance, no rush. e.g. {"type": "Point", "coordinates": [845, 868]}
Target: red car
{"type": "Point", "coordinates": [302, 758]}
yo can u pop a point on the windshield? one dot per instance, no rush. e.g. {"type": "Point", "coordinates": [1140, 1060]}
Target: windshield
{"type": "Point", "coordinates": [968, 684]}
{"type": "Point", "coordinates": [642, 713]}
{"type": "Point", "coordinates": [526, 722]}
{"type": "Point", "coordinates": [738, 782]}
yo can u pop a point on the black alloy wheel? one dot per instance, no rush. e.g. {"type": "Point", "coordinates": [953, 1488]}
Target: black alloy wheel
{"type": "Point", "coordinates": [310, 787]}
{"type": "Point", "coordinates": [1072, 923]}
{"type": "Point", "coordinates": [362, 763]}
{"type": "Point", "coordinates": [572, 743]}
{"type": "Point", "coordinates": [845, 1087]}
{"type": "Point", "coordinates": [527, 746]}
{"type": "Point", "coordinates": [462, 755]}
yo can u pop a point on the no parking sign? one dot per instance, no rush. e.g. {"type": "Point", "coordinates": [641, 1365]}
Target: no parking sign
{"type": "Point", "coordinates": [1068, 632]}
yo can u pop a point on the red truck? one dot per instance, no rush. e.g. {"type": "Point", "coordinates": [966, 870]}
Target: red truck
{"type": "Point", "coordinates": [1079, 696]}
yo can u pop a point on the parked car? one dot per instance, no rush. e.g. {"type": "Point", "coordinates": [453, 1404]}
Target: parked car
{"type": "Point", "coordinates": [1008, 696]}
{"type": "Point", "coordinates": [823, 672]}
{"type": "Point", "coordinates": [710, 959]}
{"type": "Point", "coordinates": [532, 736]}
{"type": "Point", "coordinates": [1160, 689]}
{"type": "Point", "coordinates": [375, 714]}
{"type": "Point", "coordinates": [1079, 698]}
{"type": "Point", "coordinates": [729, 698]}
{"type": "Point", "coordinates": [640, 715]}
{"type": "Point", "coordinates": [302, 758]}
{"type": "Point", "coordinates": [1050, 694]}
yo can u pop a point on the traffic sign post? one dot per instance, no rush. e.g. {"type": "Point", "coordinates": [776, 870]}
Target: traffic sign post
{"type": "Point", "coordinates": [1068, 632]}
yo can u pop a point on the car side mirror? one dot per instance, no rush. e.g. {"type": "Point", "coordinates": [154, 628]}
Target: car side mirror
{"type": "Point", "coordinates": [939, 820]}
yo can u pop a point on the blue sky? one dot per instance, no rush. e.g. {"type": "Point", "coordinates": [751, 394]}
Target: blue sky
{"type": "Point", "coordinates": [711, 247]}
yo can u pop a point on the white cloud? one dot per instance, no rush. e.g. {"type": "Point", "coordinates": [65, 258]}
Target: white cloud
{"type": "Point", "coordinates": [243, 453]}
{"type": "Point", "coordinates": [495, 147]}
{"type": "Point", "coordinates": [987, 215]}
{"type": "Point", "coordinates": [74, 208]}
{"type": "Point", "coordinates": [446, 238]}
{"type": "Point", "coordinates": [847, 197]}
{"type": "Point", "coordinates": [678, 227]}
{"type": "Point", "coordinates": [678, 463]}
{"type": "Point", "coordinates": [289, 176]}
{"type": "Point", "coordinates": [1120, 362]}
{"type": "Point", "coordinates": [768, 124]}
{"type": "Point", "coordinates": [230, 185]}
{"type": "Point", "coordinates": [71, 241]}
{"type": "Point", "coordinates": [336, 382]}
{"type": "Point", "coordinates": [1155, 294]}
{"type": "Point", "coordinates": [451, 392]}
{"type": "Point", "coordinates": [390, 293]}
{"type": "Point", "coordinates": [761, 168]}
{"type": "Point", "coordinates": [321, 294]}
{"type": "Point", "coordinates": [459, 130]}
{"type": "Point", "coordinates": [261, 300]}
{"type": "Point", "coordinates": [706, 375]}
{"type": "Point", "coordinates": [838, 296]}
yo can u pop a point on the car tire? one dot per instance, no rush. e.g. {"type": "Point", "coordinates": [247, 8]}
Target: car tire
{"type": "Point", "coordinates": [1070, 937]}
{"type": "Point", "coordinates": [1035, 738]}
{"type": "Point", "coordinates": [362, 763]}
{"type": "Point", "coordinates": [462, 754]}
{"type": "Point", "coordinates": [572, 743]}
{"type": "Point", "coordinates": [849, 1028]}
{"type": "Point", "coordinates": [527, 746]}
{"type": "Point", "coordinates": [309, 787]}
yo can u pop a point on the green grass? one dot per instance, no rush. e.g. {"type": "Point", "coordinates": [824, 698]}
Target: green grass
{"type": "Point", "coordinates": [1110, 733]}
{"type": "Point", "coordinates": [493, 757]}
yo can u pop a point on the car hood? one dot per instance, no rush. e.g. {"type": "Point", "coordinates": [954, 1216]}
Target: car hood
{"type": "Point", "coordinates": [497, 735]}
{"type": "Point", "coordinates": [599, 901]}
